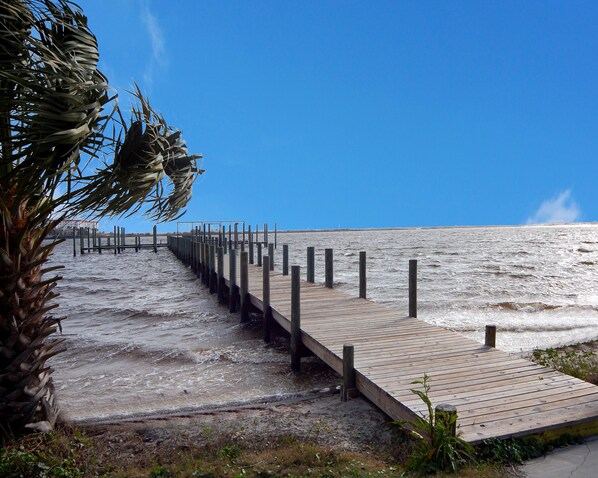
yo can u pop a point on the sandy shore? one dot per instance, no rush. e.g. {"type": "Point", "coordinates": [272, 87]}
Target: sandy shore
{"type": "Point", "coordinates": [356, 425]}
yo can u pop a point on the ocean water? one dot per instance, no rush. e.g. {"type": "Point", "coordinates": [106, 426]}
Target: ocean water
{"type": "Point", "coordinates": [144, 337]}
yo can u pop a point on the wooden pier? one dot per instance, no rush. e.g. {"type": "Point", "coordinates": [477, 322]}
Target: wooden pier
{"type": "Point", "coordinates": [118, 244]}
{"type": "Point", "coordinates": [496, 394]}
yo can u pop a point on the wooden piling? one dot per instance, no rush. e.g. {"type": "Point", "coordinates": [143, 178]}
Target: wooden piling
{"type": "Point", "coordinates": [99, 244]}
{"type": "Point", "coordinates": [275, 236]}
{"type": "Point", "coordinates": [265, 233]}
{"type": "Point", "coordinates": [236, 235]}
{"type": "Point", "coordinates": [267, 321]}
{"type": "Point", "coordinates": [232, 276]}
{"type": "Point", "coordinates": [271, 254]}
{"type": "Point", "coordinates": [362, 275]}
{"type": "Point", "coordinates": [250, 245]}
{"type": "Point", "coordinates": [328, 268]}
{"type": "Point", "coordinates": [295, 318]}
{"type": "Point", "coordinates": [220, 289]}
{"type": "Point", "coordinates": [155, 238]}
{"type": "Point", "coordinates": [285, 259]}
{"type": "Point", "coordinates": [447, 415]}
{"type": "Point", "coordinates": [490, 338]}
{"type": "Point", "coordinates": [311, 262]}
{"type": "Point", "coordinates": [259, 254]}
{"type": "Point", "coordinates": [244, 287]}
{"type": "Point", "coordinates": [413, 288]}
{"type": "Point", "coordinates": [213, 278]}
{"type": "Point", "coordinates": [348, 387]}
{"type": "Point", "coordinates": [74, 241]}
{"type": "Point", "coordinates": [230, 242]}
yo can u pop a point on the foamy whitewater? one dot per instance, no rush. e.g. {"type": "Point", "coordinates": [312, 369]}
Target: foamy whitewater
{"type": "Point", "coordinates": [144, 336]}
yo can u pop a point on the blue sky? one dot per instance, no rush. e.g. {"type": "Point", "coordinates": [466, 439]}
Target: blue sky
{"type": "Point", "coordinates": [323, 114]}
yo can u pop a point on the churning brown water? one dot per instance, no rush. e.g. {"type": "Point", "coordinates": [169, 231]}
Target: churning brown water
{"type": "Point", "coordinates": [144, 336]}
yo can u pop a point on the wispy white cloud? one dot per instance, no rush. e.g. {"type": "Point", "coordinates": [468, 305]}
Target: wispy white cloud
{"type": "Point", "coordinates": [559, 209]}
{"type": "Point", "coordinates": [158, 58]}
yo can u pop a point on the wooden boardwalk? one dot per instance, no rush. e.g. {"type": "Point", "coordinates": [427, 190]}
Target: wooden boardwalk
{"type": "Point", "coordinates": [497, 395]}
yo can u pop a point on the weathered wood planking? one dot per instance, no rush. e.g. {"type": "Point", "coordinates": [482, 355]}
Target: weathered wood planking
{"type": "Point", "coordinates": [497, 395]}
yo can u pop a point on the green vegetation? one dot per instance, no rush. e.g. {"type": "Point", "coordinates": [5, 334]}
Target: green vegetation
{"type": "Point", "coordinates": [68, 453]}
{"type": "Point", "coordinates": [438, 447]}
{"type": "Point", "coordinates": [579, 363]}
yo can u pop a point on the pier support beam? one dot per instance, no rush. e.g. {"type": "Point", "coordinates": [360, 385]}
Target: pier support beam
{"type": "Point", "coordinates": [220, 289]}
{"type": "Point", "coordinates": [328, 268]}
{"type": "Point", "coordinates": [266, 300]}
{"type": "Point", "coordinates": [413, 288]}
{"type": "Point", "coordinates": [447, 415]}
{"type": "Point", "coordinates": [244, 289]}
{"type": "Point", "coordinates": [296, 318]}
{"type": "Point", "coordinates": [271, 254]}
{"type": "Point", "coordinates": [285, 260]}
{"type": "Point", "coordinates": [362, 275]}
{"type": "Point", "coordinates": [490, 338]}
{"type": "Point", "coordinates": [232, 277]}
{"type": "Point", "coordinates": [348, 389]}
{"type": "Point", "coordinates": [311, 262]}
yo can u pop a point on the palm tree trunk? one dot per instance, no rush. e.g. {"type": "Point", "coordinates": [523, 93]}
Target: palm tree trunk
{"type": "Point", "coordinates": [27, 399]}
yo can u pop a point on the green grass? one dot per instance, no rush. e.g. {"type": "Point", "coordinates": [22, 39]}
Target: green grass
{"type": "Point", "coordinates": [579, 363]}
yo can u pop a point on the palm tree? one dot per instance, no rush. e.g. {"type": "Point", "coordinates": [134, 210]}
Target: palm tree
{"type": "Point", "coordinates": [65, 149]}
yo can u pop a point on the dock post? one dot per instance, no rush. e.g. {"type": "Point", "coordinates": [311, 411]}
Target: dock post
{"type": "Point", "coordinates": [285, 259]}
{"type": "Point", "coordinates": [244, 287]}
{"type": "Point", "coordinates": [243, 239]}
{"type": "Point", "coordinates": [155, 237]}
{"type": "Point", "coordinates": [265, 233]}
{"type": "Point", "coordinates": [275, 236]}
{"type": "Point", "coordinates": [447, 414]}
{"type": "Point", "coordinates": [209, 233]}
{"type": "Point", "coordinates": [250, 245]}
{"type": "Point", "coordinates": [295, 318]}
{"type": "Point", "coordinates": [206, 268]}
{"type": "Point", "coordinates": [267, 324]}
{"type": "Point", "coordinates": [99, 244]}
{"type": "Point", "coordinates": [74, 241]}
{"type": "Point", "coordinates": [490, 339]}
{"type": "Point", "coordinates": [212, 276]}
{"type": "Point", "coordinates": [271, 254]}
{"type": "Point", "coordinates": [259, 254]}
{"type": "Point", "coordinates": [348, 386]}
{"type": "Point", "coordinates": [123, 242]}
{"type": "Point", "coordinates": [220, 288]}
{"type": "Point", "coordinates": [362, 276]}
{"type": "Point", "coordinates": [328, 267]}
{"type": "Point", "coordinates": [236, 235]}
{"type": "Point", "coordinates": [257, 233]}
{"type": "Point", "coordinates": [413, 288]}
{"type": "Point", "coordinates": [81, 243]}
{"type": "Point", "coordinates": [230, 234]}
{"type": "Point", "coordinates": [115, 241]}
{"type": "Point", "coordinates": [108, 241]}
{"type": "Point", "coordinates": [88, 239]}
{"type": "Point", "coordinates": [311, 262]}
{"type": "Point", "coordinates": [93, 238]}
{"type": "Point", "coordinates": [232, 277]}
